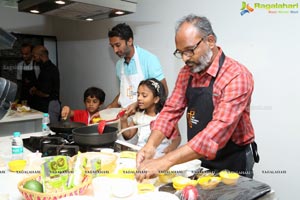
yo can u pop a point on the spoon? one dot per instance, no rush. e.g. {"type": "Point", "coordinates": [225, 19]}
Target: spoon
{"type": "Point", "coordinates": [102, 123]}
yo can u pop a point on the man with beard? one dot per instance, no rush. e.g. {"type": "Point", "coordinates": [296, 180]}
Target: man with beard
{"type": "Point", "coordinates": [136, 64]}
{"type": "Point", "coordinates": [46, 89]}
{"type": "Point", "coordinates": [216, 90]}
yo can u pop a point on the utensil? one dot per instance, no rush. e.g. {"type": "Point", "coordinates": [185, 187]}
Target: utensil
{"type": "Point", "coordinates": [89, 135]}
{"type": "Point", "coordinates": [64, 126]}
{"type": "Point", "coordinates": [102, 123]}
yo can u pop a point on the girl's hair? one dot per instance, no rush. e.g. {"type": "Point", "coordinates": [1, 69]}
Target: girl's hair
{"type": "Point", "coordinates": [94, 92]}
{"type": "Point", "coordinates": [158, 90]}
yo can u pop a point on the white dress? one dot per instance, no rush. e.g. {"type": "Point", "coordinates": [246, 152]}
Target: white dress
{"type": "Point", "coordinates": [143, 133]}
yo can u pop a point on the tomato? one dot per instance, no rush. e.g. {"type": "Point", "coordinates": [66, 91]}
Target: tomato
{"type": "Point", "coordinates": [190, 193]}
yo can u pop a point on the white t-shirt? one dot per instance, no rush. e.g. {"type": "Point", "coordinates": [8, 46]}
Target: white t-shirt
{"type": "Point", "coordinates": [22, 66]}
{"type": "Point", "coordinates": [143, 133]}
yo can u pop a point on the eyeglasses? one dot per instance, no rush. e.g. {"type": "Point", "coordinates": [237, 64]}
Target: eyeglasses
{"type": "Point", "coordinates": [190, 52]}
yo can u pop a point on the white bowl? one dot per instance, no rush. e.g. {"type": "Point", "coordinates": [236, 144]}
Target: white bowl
{"type": "Point", "coordinates": [122, 188]}
{"type": "Point", "coordinates": [109, 113]}
{"type": "Point", "coordinates": [186, 169]}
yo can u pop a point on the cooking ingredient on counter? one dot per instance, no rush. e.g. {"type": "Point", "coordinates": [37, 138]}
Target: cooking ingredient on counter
{"type": "Point", "coordinates": [229, 178]}
{"type": "Point", "coordinates": [16, 165]}
{"type": "Point", "coordinates": [33, 185]}
{"type": "Point", "coordinates": [55, 174]}
{"type": "Point", "coordinates": [45, 123]}
{"type": "Point", "coordinates": [190, 193]}
{"type": "Point", "coordinates": [179, 182]}
{"type": "Point", "coordinates": [78, 171]}
{"type": "Point", "coordinates": [23, 109]}
{"type": "Point", "coordinates": [17, 146]}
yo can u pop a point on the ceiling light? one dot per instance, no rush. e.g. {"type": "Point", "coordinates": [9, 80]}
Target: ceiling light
{"type": "Point", "coordinates": [60, 2]}
{"type": "Point", "coordinates": [119, 12]}
{"type": "Point", "coordinates": [89, 19]}
{"type": "Point", "coordinates": [35, 11]}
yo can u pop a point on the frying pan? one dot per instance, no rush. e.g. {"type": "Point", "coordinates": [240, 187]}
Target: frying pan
{"type": "Point", "coordinates": [64, 126]}
{"type": "Point", "coordinates": [89, 135]}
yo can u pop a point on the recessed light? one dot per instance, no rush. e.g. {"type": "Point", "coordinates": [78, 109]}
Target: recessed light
{"type": "Point", "coordinates": [119, 12]}
{"type": "Point", "coordinates": [35, 11]}
{"type": "Point", "coordinates": [60, 2]}
{"type": "Point", "coordinates": [89, 19]}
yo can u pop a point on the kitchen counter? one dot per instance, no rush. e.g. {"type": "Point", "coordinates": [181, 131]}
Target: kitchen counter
{"type": "Point", "coordinates": [25, 122]}
{"type": "Point", "coordinates": [9, 180]}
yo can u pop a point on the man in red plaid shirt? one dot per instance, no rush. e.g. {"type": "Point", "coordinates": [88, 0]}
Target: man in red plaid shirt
{"type": "Point", "coordinates": [216, 90]}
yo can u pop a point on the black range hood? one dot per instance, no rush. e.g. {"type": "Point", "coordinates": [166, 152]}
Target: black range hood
{"type": "Point", "coordinates": [79, 9]}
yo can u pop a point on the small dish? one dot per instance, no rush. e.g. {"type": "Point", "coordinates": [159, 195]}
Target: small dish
{"type": "Point", "coordinates": [122, 188]}
{"type": "Point", "coordinates": [179, 182]}
{"type": "Point", "coordinates": [208, 183]}
{"type": "Point", "coordinates": [16, 165]}
{"type": "Point", "coordinates": [166, 177]}
{"type": "Point", "coordinates": [229, 178]}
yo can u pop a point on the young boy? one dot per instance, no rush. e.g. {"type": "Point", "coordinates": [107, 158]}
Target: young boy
{"type": "Point", "coordinates": [93, 99]}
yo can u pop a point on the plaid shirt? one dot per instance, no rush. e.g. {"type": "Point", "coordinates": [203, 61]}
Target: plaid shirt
{"type": "Point", "coordinates": [232, 92]}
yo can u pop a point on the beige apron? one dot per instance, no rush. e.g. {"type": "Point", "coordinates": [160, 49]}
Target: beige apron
{"type": "Point", "coordinates": [129, 83]}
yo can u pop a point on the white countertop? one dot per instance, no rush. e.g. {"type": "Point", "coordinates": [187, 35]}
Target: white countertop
{"type": "Point", "coordinates": [13, 116]}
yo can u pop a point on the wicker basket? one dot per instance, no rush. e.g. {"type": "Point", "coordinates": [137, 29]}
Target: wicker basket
{"type": "Point", "coordinates": [32, 195]}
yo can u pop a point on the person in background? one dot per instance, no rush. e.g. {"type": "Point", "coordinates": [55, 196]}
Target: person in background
{"type": "Point", "coordinates": [216, 90]}
{"type": "Point", "coordinates": [46, 89]}
{"type": "Point", "coordinates": [136, 64]}
{"type": "Point", "coordinates": [93, 98]}
{"type": "Point", "coordinates": [27, 74]}
{"type": "Point", "coordinates": [151, 99]}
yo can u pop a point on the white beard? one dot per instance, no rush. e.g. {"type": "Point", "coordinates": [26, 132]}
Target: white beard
{"type": "Point", "coordinates": [204, 61]}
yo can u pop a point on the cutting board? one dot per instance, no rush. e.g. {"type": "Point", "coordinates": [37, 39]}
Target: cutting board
{"type": "Point", "coordinates": [245, 189]}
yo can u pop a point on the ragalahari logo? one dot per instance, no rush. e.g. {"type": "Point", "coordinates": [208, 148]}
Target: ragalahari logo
{"type": "Point", "coordinates": [246, 8]}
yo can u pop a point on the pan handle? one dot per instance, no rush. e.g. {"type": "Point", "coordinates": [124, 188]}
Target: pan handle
{"type": "Point", "coordinates": [127, 144]}
{"type": "Point", "coordinates": [132, 127]}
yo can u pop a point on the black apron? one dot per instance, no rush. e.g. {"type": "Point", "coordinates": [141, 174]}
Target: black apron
{"type": "Point", "coordinates": [199, 114]}
{"type": "Point", "coordinates": [28, 81]}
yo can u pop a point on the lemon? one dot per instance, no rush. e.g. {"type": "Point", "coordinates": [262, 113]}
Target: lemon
{"type": "Point", "coordinates": [96, 120]}
{"type": "Point", "coordinates": [33, 185]}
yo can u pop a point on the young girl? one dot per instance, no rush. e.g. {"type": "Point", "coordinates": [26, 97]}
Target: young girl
{"type": "Point", "coordinates": [93, 99]}
{"type": "Point", "coordinates": [151, 99]}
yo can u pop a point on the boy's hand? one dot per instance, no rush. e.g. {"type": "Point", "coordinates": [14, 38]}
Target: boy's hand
{"type": "Point", "coordinates": [65, 112]}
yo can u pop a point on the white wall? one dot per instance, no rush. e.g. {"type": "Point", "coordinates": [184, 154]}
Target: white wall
{"type": "Point", "coordinates": [268, 44]}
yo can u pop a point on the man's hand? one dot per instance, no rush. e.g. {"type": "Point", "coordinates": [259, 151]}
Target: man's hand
{"type": "Point", "coordinates": [32, 90]}
{"type": "Point", "coordinates": [151, 168]}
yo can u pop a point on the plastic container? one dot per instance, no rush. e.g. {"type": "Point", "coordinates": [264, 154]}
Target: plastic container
{"type": "Point", "coordinates": [17, 146]}
{"type": "Point", "coordinates": [229, 178]}
{"type": "Point", "coordinates": [45, 123]}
